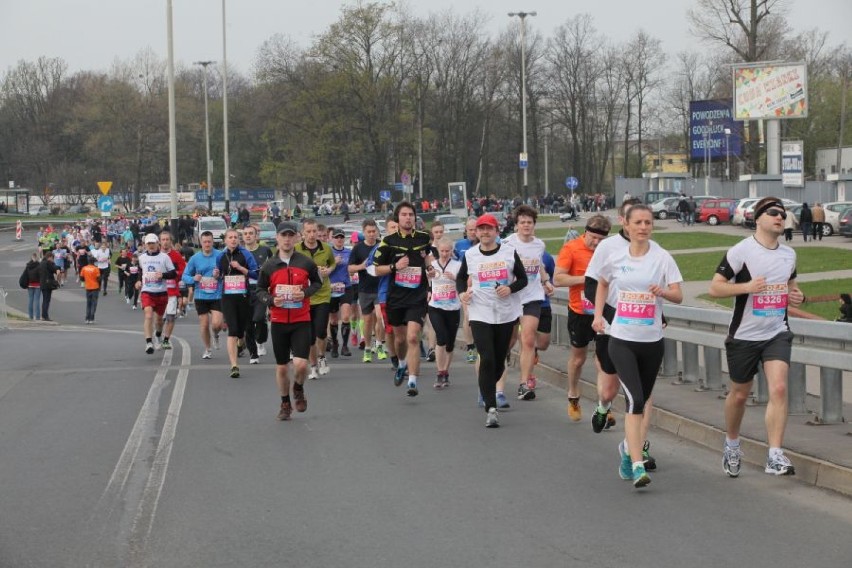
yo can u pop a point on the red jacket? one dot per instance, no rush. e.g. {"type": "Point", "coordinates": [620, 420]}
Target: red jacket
{"type": "Point", "coordinates": [276, 277]}
{"type": "Point", "coordinates": [180, 265]}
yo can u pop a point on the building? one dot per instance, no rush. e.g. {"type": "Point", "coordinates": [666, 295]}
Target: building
{"type": "Point", "coordinates": [672, 162]}
{"type": "Point", "coordinates": [826, 161]}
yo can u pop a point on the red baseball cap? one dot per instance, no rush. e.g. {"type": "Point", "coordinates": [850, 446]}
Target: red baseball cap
{"type": "Point", "coordinates": [487, 219]}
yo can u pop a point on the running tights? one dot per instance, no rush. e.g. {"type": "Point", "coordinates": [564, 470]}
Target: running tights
{"type": "Point", "coordinates": [492, 343]}
{"type": "Point", "coordinates": [637, 365]}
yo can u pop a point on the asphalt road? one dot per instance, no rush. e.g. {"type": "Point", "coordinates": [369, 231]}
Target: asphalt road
{"type": "Point", "coordinates": [111, 457]}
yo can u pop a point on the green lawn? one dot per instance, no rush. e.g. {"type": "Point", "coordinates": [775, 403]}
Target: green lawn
{"type": "Point", "coordinates": [826, 310]}
{"type": "Point", "coordinates": [669, 241]}
{"type": "Point", "coordinates": [701, 266]}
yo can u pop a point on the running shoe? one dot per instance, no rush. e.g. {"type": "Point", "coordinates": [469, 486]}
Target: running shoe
{"type": "Point", "coordinates": [599, 420]}
{"type": "Point", "coordinates": [215, 341]}
{"type": "Point", "coordinates": [779, 464]}
{"type": "Point", "coordinates": [491, 420]}
{"type": "Point", "coordinates": [344, 350]}
{"type": "Point", "coordinates": [399, 376]}
{"type": "Point", "coordinates": [430, 356]}
{"type": "Point", "coordinates": [241, 347]}
{"type": "Point", "coordinates": [412, 389]}
{"type": "Point", "coordinates": [439, 382]}
{"type": "Point", "coordinates": [166, 344]}
{"type": "Point", "coordinates": [334, 351]}
{"type": "Point", "coordinates": [625, 469]}
{"type": "Point", "coordinates": [301, 401]}
{"type": "Point", "coordinates": [323, 366]}
{"type": "Point", "coordinates": [254, 361]}
{"type": "Point", "coordinates": [261, 349]}
{"type": "Point", "coordinates": [314, 374]}
{"type": "Point", "coordinates": [640, 477]}
{"type": "Point", "coordinates": [235, 372]}
{"type": "Point", "coordinates": [650, 462]}
{"type": "Point", "coordinates": [502, 403]}
{"type": "Point", "coordinates": [135, 307]}
{"type": "Point", "coordinates": [285, 411]}
{"type": "Point", "coordinates": [731, 457]}
{"type": "Point", "coordinates": [157, 342]}
{"type": "Point", "coordinates": [575, 413]}
{"type": "Point", "coordinates": [361, 345]}
{"type": "Point", "coordinates": [149, 347]}
{"type": "Point", "coordinates": [354, 340]}
{"type": "Point", "coordinates": [480, 401]}
{"type": "Point", "coordinates": [368, 356]}
{"type": "Point", "coordinates": [381, 354]}
{"type": "Point", "coordinates": [127, 300]}
{"type": "Point", "coordinates": [471, 355]}
{"type": "Point", "coordinates": [207, 354]}
{"type": "Point", "coordinates": [525, 392]}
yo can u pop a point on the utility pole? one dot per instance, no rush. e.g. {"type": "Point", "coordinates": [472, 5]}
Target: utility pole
{"type": "Point", "coordinates": [204, 64]}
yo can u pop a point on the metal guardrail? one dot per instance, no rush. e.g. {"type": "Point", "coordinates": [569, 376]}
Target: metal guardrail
{"type": "Point", "coordinates": [4, 316]}
{"type": "Point", "coordinates": [822, 344]}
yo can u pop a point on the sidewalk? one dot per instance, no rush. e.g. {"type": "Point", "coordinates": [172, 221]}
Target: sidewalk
{"type": "Point", "coordinates": [822, 454]}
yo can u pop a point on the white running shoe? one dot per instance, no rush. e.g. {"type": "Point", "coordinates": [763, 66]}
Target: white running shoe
{"type": "Point", "coordinates": [313, 374]}
{"type": "Point", "coordinates": [261, 349]}
{"type": "Point", "coordinates": [323, 366]}
{"type": "Point", "coordinates": [254, 361]}
{"type": "Point", "coordinates": [779, 464]}
{"type": "Point", "coordinates": [207, 354]}
{"type": "Point", "coordinates": [491, 420]}
{"type": "Point", "coordinates": [215, 341]}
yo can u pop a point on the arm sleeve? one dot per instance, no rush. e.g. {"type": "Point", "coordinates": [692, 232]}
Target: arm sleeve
{"type": "Point", "coordinates": [521, 279]}
{"type": "Point", "coordinates": [251, 264]}
{"type": "Point", "coordinates": [727, 267]}
{"type": "Point", "coordinates": [171, 272]}
{"type": "Point", "coordinates": [461, 277]}
{"type": "Point", "coordinates": [189, 272]}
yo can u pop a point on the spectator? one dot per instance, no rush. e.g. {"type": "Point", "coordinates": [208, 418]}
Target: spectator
{"type": "Point", "coordinates": [818, 214]}
{"type": "Point", "coordinates": [806, 220]}
{"type": "Point", "coordinates": [845, 308]}
{"type": "Point", "coordinates": [34, 287]}
{"type": "Point", "coordinates": [789, 223]}
{"type": "Point", "coordinates": [48, 274]}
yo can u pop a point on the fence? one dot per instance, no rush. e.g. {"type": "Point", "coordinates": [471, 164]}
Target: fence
{"type": "Point", "coordinates": [821, 344]}
{"type": "Point", "coordinates": [813, 192]}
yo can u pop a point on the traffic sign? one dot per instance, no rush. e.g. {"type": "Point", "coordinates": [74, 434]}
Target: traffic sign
{"type": "Point", "coordinates": [384, 195]}
{"type": "Point", "coordinates": [105, 203]}
{"type": "Point", "coordinates": [572, 183]}
{"type": "Point", "coordinates": [104, 186]}
{"type": "Point", "coordinates": [523, 162]}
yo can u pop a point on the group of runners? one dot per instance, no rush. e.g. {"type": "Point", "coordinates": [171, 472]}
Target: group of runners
{"type": "Point", "coordinates": [317, 294]}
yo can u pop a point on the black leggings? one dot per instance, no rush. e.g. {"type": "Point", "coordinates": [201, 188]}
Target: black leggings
{"type": "Point", "coordinates": [257, 331]}
{"type": "Point", "coordinates": [637, 365]}
{"type": "Point", "coordinates": [492, 344]}
{"type": "Point", "coordinates": [446, 326]}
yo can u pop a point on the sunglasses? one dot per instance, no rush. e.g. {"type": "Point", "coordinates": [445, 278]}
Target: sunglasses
{"type": "Point", "coordinates": [777, 213]}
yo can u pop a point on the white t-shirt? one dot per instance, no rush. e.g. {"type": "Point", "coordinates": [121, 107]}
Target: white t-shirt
{"type": "Point", "coordinates": [486, 272]}
{"type": "Point", "coordinates": [638, 312]}
{"type": "Point", "coordinates": [149, 265]}
{"type": "Point", "coordinates": [762, 316]}
{"type": "Point", "coordinates": [444, 293]}
{"type": "Point", "coordinates": [606, 249]}
{"type": "Point", "coordinates": [531, 254]}
{"type": "Point", "coordinates": [102, 257]}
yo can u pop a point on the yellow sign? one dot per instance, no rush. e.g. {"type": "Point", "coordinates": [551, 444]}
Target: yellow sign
{"type": "Point", "coordinates": [105, 186]}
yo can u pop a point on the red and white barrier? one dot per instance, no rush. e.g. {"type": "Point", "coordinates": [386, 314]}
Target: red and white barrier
{"type": "Point", "coordinates": [19, 231]}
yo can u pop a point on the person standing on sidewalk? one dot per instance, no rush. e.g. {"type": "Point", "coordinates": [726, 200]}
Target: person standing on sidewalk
{"type": "Point", "coordinates": [34, 287]}
{"type": "Point", "coordinates": [319, 252]}
{"type": "Point", "coordinates": [285, 284]}
{"type": "Point", "coordinates": [760, 273]}
{"type": "Point", "coordinates": [91, 276]}
{"type": "Point", "coordinates": [818, 215]}
{"type": "Point", "coordinates": [640, 277]}
{"type": "Point", "coordinates": [805, 220]}
{"type": "Point", "coordinates": [48, 272]}
{"type": "Point", "coordinates": [488, 282]}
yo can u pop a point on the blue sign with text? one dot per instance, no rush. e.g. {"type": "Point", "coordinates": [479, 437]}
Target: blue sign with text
{"type": "Point", "coordinates": [708, 121]}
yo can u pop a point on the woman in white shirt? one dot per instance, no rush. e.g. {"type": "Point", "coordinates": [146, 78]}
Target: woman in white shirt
{"type": "Point", "coordinates": [444, 308]}
{"type": "Point", "coordinates": [636, 279]}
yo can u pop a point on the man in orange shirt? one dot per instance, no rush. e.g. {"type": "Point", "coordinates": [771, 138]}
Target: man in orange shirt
{"type": "Point", "coordinates": [91, 276]}
{"type": "Point", "coordinates": [570, 271]}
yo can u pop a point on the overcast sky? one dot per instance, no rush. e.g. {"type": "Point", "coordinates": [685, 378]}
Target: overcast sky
{"type": "Point", "coordinates": [90, 34]}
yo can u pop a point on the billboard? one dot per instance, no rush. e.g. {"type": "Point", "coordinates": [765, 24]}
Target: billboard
{"type": "Point", "coordinates": [793, 163]}
{"type": "Point", "coordinates": [767, 91]}
{"type": "Point", "coordinates": [707, 123]}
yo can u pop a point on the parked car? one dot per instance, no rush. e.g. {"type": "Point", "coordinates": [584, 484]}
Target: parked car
{"type": "Point", "coordinates": [832, 216]}
{"type": "Point", "coordinates": [453, 225]}
{"type": "Point", "coordinates": [748, 221]}
{"type": "Point", "coordinates": [39, 210]}
{"type": "Point", "coordinates": [665, 208]}
{"type": "Point", "coordinates": [267, 232]}
{"type": "Point", "coordinates": [715, 211]}
{"type": "Point", "coordinates": [215, 225]}
{"type": "Point", "coordinates": [740, 209]}
{"type": "Point", "coordinates": [78, 210]}
{"type": "Point", "coordinates": [844, 224]}
{"type": "Point", "coordinates": [652, 196]}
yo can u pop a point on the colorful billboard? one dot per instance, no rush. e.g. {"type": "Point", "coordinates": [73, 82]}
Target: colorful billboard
{"type": "Point", "coordinates": [707, 123]}
{"type": "Point", "coordinates": [766, 91]}
{"type": "Point", "coordinates": [793, 163]}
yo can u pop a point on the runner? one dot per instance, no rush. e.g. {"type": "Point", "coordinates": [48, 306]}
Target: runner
{"type": "Point", "coordinates": [437, 233]}
{"type": "Point", "coordinates": [257, 331]}
{"type": "Point", "coordinates": [236, 267]}
{"type": "Point", "coordinates": [444, 308]}
{"type": "Point", "coordinates": [91, 276]}
{"type": "Point", "coordinates": [459, 249]}
{"type": "Point", "coordinates": [103, 260]}
{"type": "Point", "coordinates": [489, 279]}
{"type": "Point", "coordinates": [639, 277]}
{"type": "Point", "coordinates": [570, 271]}
{"type": "Point", "coordinates": [131, 277]}
{"type": "Point", "coordinates": [285, 282]}
{"type": "Point", "coordinates": [545, 321]}
{"type": "Point", "coordinates": [320, 253]}
{"type": "Point", "coordinates": [342, 294]}
{"type": "Point", "coordinates": [405, 256]}
{"type": "Point", "coordinates": [368, 284]}
{"type": "Point", "coordinates": [121, 264]}
{"type": "Point", "coordinates": [760, 273]}
{"type": "Point", "coordinates": [155, 268]}
{"type": "Point", "coordinates": [383, 329]}
{"type": "Point", "coordinates": [172, 286]}
{"type": "Point", "coordinates": [202, 273]}
{"type": "Point", "coordinates": [530, 250]}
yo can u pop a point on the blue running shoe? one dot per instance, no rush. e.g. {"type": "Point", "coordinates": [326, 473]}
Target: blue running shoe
{"type": "Point", "coordinates": [399, 376]}
{"type": "Point", "coordinates": [481, 402]}
{"type": "Point", "coordinates": [640, 478]}
{"type": "Point", "coordinates": [501, 401]}
{"type": "Point", "coordinates": [625, 470]}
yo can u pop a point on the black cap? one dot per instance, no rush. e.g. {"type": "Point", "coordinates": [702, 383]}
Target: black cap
{"type": "Point", "coordinates": [338, 232]}
{"type": "Point", "coordinates": [288, 227]}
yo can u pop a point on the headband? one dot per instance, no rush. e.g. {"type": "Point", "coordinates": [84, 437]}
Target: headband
{"type": "Point", "coordinates": [765, 206]}
{"type": "Point", "coordinates": [597, 231]}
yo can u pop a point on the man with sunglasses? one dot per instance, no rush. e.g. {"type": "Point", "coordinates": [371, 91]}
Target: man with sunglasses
{"type": "Point", "coordinates": [760, 273]}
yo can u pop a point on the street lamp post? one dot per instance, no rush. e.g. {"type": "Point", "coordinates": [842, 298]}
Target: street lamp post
{"type": "Point", "coordinates": [523, 17]}
{"type": "Point", "coordinates": [204, 64]}
{"type": "Point", "coordinates": [225, 112]}
{"type": "Point", "coordinates": [728, 154]}
{"type": "Point", "coordinates": [707, 157]}
{"type": "Point", "coordinates": [172, 134]}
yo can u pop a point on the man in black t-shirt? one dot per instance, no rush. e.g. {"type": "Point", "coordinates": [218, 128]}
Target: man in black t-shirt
{"type": "Point", "coordinates": [368, 285]}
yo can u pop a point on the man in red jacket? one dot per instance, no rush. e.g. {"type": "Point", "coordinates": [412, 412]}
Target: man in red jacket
{"type": "Point", "coordinates": [172, 288]}
{"type": "Point", "coordinates": [285, 284]}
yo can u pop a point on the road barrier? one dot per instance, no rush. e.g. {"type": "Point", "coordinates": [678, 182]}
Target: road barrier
{"type": "Point", "coordinates": [19, 230]}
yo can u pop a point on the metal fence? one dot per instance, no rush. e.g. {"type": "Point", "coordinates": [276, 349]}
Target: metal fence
{"type": "Point", "coordinates": [4, 316]}
{"type": "Point", "coordinates": [813, 192]}
{"type": "Point", "coordinates": [699, 334]}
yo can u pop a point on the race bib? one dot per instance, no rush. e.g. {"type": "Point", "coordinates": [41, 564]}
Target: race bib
{"type": "Point", "coordinates": [493, 274]}
{"type": "Point", "coordinates": [409, 277]}
{"type": "Point", "coordinates": [337, 289]}
{"type": "Point", "coordinates": [354, 277]}
{"type": "Point", "coordinates": [532, 266]}
{"type": "Point", "coordinates": [208, 284]}
{"type": "Point", "coordinates": [286, 292]}
{"type": "Point", "coordinates": [235, 284]}
{"type": "Point", "coordinates": [151, 278]}
{"type": "Point", "coordinates": [134, 270]}
{"type": "Point", "coordinates": [444, 295]}
{"type": "Point", "coordinates": [171, 284]}
{"type": "Point", "coordinates": [636, 308]}
{"type": "Point", "coordinates": [771, 302]}
{"type": "Point", "coordinates": [588, 307]}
